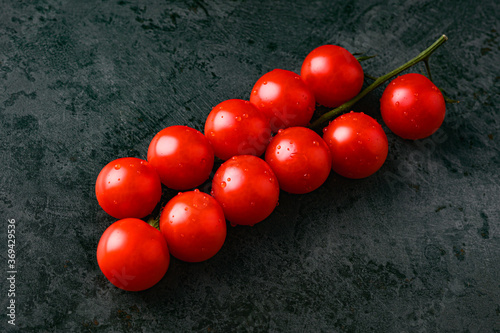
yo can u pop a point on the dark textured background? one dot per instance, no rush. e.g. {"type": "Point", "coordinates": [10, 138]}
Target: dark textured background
{"type": "Point", "coordinates": [414, 248]}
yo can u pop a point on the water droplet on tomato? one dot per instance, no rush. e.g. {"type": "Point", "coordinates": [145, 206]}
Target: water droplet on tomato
{"type": "Point", "coordinates": [297, 77]}
{"type": "Point", "coordinates": [115, 202]}
{"type": "Point", "coordinates": [117, 166]}
{"type": "Point", "coordinates": [182, 235]}
{"type": "Point", "coordinates": [264, 83]}
{"type": "Point", "coordinates": [252, 203]}
{"type": "Point", "coordinates": [238, 118]}
{"type": "Point", "coordinates": [324, 130]}
{"type": "Point", "coordinates": [119, 179]}
{"type": "Point", "coordinates": [245, 115]}
{"type": "Point", "coordinates": [396, 104]}
{"type": "Point", "coordinates": [212, 133]}
{"type": "Point", "coordinates": [271, 180]}
{"type": "Point", "coordinates": [360, 142]}
{"type": "Point", "coordinates": [254, 92]}
{"type": "Point", "coordinates": [246, 169]}
{"type": "Point", "coordinates": [186, 209]}
{"type": "Point", "coordinates": [223, 184]}
{"type": "Point", "coordinates": [405, 114]}
{"type": "Point", "coordinates": [228, 179]}
{"type": "Point", "coordinates": [307, 176]}
{"type": "Point", "coordinates": [316, 143]}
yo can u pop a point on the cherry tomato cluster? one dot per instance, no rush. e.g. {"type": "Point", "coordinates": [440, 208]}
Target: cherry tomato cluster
{"type": "Point", "coordinates": [134, 255]}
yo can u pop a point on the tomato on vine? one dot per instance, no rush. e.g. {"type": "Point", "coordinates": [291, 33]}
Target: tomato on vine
{"type": "Point", "coordinates": [247, 189]}
{"type": "Point", "coordinates": [182, 157]}
{"type": "Point", "coordinates": [412, 106]}
{"type": "Point", "coordinates": [284, 98]}
{"type": "Point", "coordinates": [300, 159]}
{"type": "Point", "coordinates": [237, 127]}
{"type": "Point", "coordinates": [128, 187]}
{"type": "Point", "coordinates": [358, 145]}
{"type": "Point", "coordinates": [132, 254]}
{"type": "Point", "coordinates": [333, 74]}
{"type": "Point", "coordinates": [194, 226]}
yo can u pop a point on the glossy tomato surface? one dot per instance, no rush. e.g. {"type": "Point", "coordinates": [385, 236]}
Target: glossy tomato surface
{"type": "Point", "coordinates": [357, 143]}
{"type": "Point", "coordinates": [412, 106]}
{"type": "Point", "coordinates": [300, 159]}
{"type": "Point", "coordinates": [237, 127]}
{"type": "Point", "coordinates": [247, 189]}
{"type": "Point", "coordinates": [194, 226]}
{"type": "Point", "coordinates": [333, 74]}
{"type": "Point", "coordinates": [182, 156]}
{"type": "Point", "coordinates": [132, 254]}
{"type": "Point", "coordinates": [284, 98]}
{"type": "Point", "coordinates": [128, 187]}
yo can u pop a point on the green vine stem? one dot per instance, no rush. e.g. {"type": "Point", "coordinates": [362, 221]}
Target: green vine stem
{"type": "Point", "coordinates": [423, 56]}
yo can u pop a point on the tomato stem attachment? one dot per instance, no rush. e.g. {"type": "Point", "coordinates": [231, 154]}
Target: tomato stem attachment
{"type": "Point", "coordinates": [347, 105]}
{"type": "Point", "coordinates": [154, 222]}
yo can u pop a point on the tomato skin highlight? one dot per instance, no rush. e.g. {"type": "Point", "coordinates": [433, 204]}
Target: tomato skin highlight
{"type": "Point", "coordinates": [236, 127]}
{"type": "Point", "coordinates": [128, 187]}
{"type": "Point", "coordinates": [412, 106]}
{"type": "Point", "coordinates": [357, 143]}
{"type": "Point", "coordinates": [284, 98]}
{"type": "Point", "coordinates": [300, 159]}
{"type": "Point", "coordinates": [133, 255]}
{"type": "Point", "coordinates": [246, 188]}
{"type": "Point", "coordinates": [182, 157]}
{"type": "Point", "coordinates": [334, 75]}
{"type": "Point", "coordinates": [194, 226]}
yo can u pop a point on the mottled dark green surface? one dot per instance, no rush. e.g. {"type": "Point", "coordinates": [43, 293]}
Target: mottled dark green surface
{"type": "Point", "coordinates": [414, 248]}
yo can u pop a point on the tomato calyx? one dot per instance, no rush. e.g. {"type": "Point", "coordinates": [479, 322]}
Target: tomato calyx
{"type": "Point", "coordinates": [154, 221]}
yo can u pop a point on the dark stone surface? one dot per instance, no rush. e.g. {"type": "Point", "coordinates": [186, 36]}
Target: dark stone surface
{"type": "Point", "coordinates": [414, 248]}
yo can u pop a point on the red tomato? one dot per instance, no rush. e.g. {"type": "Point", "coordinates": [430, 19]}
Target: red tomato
{"type": "Point", "coordinates": [284, 98]}
{"type": "Point", "coordinates": [194, 226]}
{"type": "Point", "coordinates": [247, 189]}
{"type": "Point", "coordinates": [133, 255]}
{"type": "Point", "coordinates": [182, 156]}
{"type": "Point", "coordinates": [128, 187]}
{"type": "Point", "coordinates": [412, 106]}
{"type": "Point", "coordinates": [358, 145]}
{"type": "Point", "coordinates": [333, 74]}
{"type": "Point", "coordinates": [300, 159]}
{"type": "Point", "coordinates": [237, 127]}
